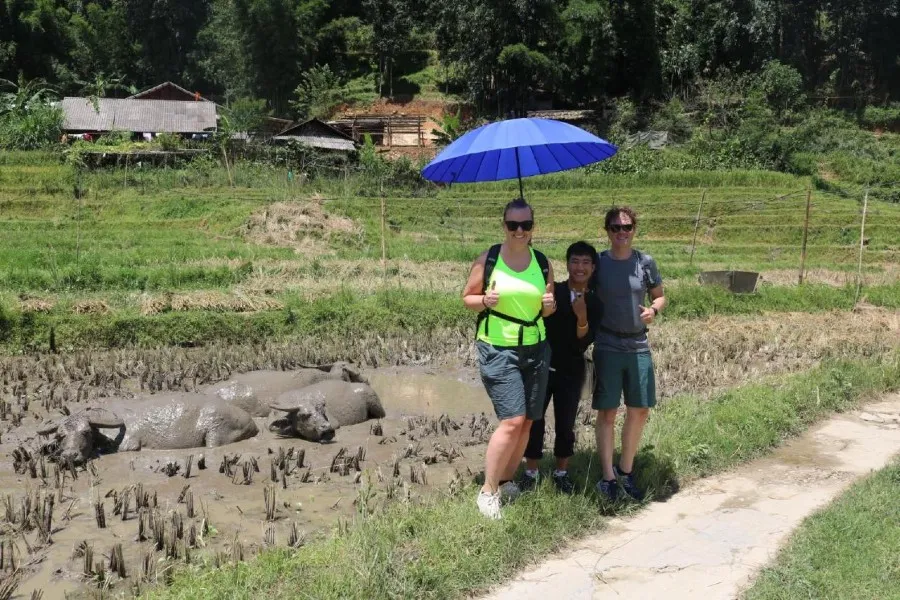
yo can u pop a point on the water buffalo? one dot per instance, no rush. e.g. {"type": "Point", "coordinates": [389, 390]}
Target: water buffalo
{"type": "Point", "coordinates": [315, 411]}
{"type": "Point", "coordinates": [169, 422]}
{"type": "Point", "coordinates": [256, 390]}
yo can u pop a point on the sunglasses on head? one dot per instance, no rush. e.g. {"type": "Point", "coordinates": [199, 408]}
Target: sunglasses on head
{"type": "Point", "coordinates": [525, 225]}
{"type": "Point", "coordinates": [616, 228]}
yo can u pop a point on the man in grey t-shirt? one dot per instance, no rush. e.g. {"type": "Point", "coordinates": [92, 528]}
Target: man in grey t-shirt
{"type": "Point", "coordinates": [625, 279]}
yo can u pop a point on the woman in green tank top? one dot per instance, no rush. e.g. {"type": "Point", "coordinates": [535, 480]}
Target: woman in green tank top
{"type": "Point", "coordinates": [513, 356]}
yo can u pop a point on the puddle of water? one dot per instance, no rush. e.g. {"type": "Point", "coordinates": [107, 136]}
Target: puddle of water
{"type": "Point", "coordinates": [805, 452]}
{"type": "Point", "coordinates": [405, 392]}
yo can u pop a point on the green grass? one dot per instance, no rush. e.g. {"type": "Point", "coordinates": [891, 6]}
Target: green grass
{"type": "Point", "coordinates": [849, 549]}
{"type": "Point", "coordinates": [442, 548]}
{"type": "Point", "coordinates": [115, 235]}
{"type": "Point", "coordinates": [393, 311]}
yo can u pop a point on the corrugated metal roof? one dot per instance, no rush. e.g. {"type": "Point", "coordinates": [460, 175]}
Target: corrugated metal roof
{"type": "Point", "coordinates": [152, 116]}
{"type": "Point", "coordinates": [562, 114]}
{"type": "Point", "coordinates": [325, 143]}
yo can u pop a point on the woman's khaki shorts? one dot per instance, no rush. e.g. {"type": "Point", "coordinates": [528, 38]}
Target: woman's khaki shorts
{"type": "Point", "coordinates": [515, 378]}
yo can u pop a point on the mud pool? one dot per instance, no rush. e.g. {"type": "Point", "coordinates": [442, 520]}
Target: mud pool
{"type": "Point", "coordinates": [434, 434]}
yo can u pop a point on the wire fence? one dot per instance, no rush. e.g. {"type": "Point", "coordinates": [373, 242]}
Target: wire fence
{"type": "Point", "coordinates": [715, 228]}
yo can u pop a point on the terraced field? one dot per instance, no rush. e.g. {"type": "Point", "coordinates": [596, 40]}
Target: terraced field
{"type": "Point", "coordinates": [152, 257]}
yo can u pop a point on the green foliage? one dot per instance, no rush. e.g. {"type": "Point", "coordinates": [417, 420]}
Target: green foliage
{"type": "Point", "coordinates": [882, 117]}
{"type": "Point", "coordinates": [782, 87]}
{"type": "Point", "coordinates": [246, 115]}
{"type": "Point", "coordinates": [525, 69]}
{"type": "Point", "coordinates": [451, 126]}
{"type": "Point", "coordinates": [37, 126]}
{"type": "Point", "coordinates": [28, 119]}
{"type": "Point", "coordinates": [671, 117]}
{"type": "Point", "coordinates": [319, 93]}
{"type": "Point", "coordinates": [627, 120]}
{"type": "Point", "coordinates": [169, 141]}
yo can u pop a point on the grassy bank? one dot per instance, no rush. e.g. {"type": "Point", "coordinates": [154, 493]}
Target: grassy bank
{"type": "Point", "coordinates": [850, 549]}
{"type": "Point", "coordinates": [444, 549]}
{"type": "Point", "coordinates": [394, 311]}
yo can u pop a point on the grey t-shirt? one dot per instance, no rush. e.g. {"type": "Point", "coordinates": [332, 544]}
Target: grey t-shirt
{"type": "Point", "coordinates": [622, 286]}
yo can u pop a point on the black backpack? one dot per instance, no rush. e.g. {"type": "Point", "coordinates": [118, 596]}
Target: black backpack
{"type": "Point", "coordinates": [489, 264]}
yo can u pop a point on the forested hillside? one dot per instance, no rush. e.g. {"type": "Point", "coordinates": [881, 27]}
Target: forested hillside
{"type": "Point", "coordinates": [497, 54]}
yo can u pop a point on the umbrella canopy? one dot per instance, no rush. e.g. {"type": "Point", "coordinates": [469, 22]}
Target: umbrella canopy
{"type": "Point", "coordinates": [514, 149]}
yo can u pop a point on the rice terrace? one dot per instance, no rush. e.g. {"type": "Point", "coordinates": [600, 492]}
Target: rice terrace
{"type": "Point", "coordinates": [147, 289]}
{"type": "Point", "coordinates": [234, 357]}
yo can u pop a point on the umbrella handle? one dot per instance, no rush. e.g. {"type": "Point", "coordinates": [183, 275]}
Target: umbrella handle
{"type": "Point", "coordinates": [519, 175]}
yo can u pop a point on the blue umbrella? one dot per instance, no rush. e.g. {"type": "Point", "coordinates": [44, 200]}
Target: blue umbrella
{"type": "Point", "coordinates": [516, 148]}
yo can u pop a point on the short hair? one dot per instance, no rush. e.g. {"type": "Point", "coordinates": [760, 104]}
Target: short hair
{"type": "Point", "coordinates": [613, 212]}
{"type": "Point", "coordinates": [581, 248]}
{"type": "Point", "coordinates": [517, 203]}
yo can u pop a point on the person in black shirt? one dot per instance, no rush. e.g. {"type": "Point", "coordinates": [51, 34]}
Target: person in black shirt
{"type": "Point", "coordinates": [569, 333]}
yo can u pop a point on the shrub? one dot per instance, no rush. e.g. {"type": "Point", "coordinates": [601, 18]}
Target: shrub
{"type": "Point", "coordinates": [882, 117]}
{"type": "Point", "coordinates": [35, 126]}
{"type": "Point", "coordinates": [670, 117]}
{"type": "Point", "coordinates": [782, 86]}
{"type": "Point", "coordinates": [169, 141]}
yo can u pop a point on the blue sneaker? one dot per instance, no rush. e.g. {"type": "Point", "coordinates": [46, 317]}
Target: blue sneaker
{"type": "Point", "coordinates": [608, 489]}
{"type": "Point", "coordinates": [626, 480]}
{"type": "Point", "coordinates": [527, 483]}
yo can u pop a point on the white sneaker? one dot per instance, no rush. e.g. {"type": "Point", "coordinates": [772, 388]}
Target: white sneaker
{"type": "Point", "coordinates": [489, 505]}
{"type": "Point", "coordinates": [509, 491]}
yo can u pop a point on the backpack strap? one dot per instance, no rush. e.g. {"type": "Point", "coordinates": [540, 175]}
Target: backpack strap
{"type": "Point", "coordinates": [544, 264]}
{"type": "Point", "coordinates": [490, 262]}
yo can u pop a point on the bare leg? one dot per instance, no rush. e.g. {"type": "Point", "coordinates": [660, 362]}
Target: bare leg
{"type": "Point", "coordinates": [516, 458]}
{"type": "Point", "coordinates": [503, 445]}
{"type": "Point", "coordinates": [605, 429]}
{"type": "Point", "coordinates": [562, 464]}
{"type": "Point", "coordinates": [635, 418]}
{"type": "Point", "coordinates": [532, 464]}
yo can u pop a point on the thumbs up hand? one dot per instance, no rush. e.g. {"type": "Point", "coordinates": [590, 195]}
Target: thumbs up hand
{"type": "Point", "coordinates": [493, 296]}
{"type": "Point", "coordinates": [548, 301]}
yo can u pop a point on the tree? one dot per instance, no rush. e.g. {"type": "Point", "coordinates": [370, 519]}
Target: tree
{"type": "Point", "coordinates": [782, 87]}
{"type": "Point", "coordinates": [319, 92]}
{"type": "Point", "coordinates": [524, 69]}
{"type": "Point", "coordinates": [165, 32]}
{"type": "Point", "coordinates": [391, 25]}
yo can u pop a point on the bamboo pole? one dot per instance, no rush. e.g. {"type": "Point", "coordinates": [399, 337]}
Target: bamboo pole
{"type": "Point", "coordinates": [383, 233]}
{"type": "Point", "coordinates": [227, 168]}
{"type": "Point", "coordinates": [862, 237]}
{"type": "Point", "coordinates": [696, 227]}
{"type": "Point", "coordinates": [805, 237]}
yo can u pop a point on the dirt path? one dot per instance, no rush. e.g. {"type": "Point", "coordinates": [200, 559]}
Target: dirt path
{"type": "Point", "coordinates": [709, 540]}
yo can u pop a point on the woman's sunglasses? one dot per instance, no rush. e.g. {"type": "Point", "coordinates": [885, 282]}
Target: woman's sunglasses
{"type": "Point", "coordinates": [616, 228]}
{"type": "Point", "coordinates": [525, 225]}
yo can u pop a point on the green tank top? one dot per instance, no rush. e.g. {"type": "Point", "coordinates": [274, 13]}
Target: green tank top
{"type": "Point", "coordinates": [520, 297]}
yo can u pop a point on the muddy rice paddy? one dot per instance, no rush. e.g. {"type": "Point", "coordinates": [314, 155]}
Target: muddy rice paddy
{"type": "Point", "coordinates": [271, 491]}
{"type": "Point", "coordinates": [152, 506]}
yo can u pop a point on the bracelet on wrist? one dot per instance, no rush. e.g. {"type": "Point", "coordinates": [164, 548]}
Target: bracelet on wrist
{"type": "Point", "coordinates": [583, 326]}
{"type": "Point", "coordinates": [655, 310]}
{"type": "Point", "coordinates": [484, 300]}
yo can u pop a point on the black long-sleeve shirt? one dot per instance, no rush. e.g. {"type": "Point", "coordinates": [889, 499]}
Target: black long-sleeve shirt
{"type": "Point", "coordinates": [566, 347]}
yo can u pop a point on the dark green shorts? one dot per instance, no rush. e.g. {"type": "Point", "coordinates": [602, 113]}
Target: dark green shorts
{"type": "Point", "coordinates": [515, 378]}
{"type": "Point", "coordinates": [630, 373]}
